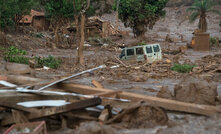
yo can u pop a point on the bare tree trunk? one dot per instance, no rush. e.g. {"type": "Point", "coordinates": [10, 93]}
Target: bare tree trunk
{"type": "Point", "coordinates": [81, 46]}
{"type": "Point", "coordinates": [117, 15]}
{"type": "Point", "coordinates": [203, 23]}
{"type": "Point", "coordinates": [56, 36]}
{"type": "Point", "coordinates": [80, 49]}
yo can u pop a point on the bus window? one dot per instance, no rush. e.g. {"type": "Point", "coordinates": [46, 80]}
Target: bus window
{"type": "Point", "coordinates": [149, 49]}
{"type": "Point", "coordinates": [156, 48]}
{"type": "Point", "coordinates": [139, 51]}
{"type": "Point", "coordinates": [130, 52]}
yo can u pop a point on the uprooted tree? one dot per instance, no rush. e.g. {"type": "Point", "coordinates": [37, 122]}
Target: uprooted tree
{"type": "Point", "coordinates": [140, 14]}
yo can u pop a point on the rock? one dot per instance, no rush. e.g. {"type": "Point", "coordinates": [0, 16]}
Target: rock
{"type": "Point", "coordinates": [14, 68]}
{"type": "Point", "coordinates": [94, 128]}
{"type": "Point", "coordinates": [196, 91]}
{"type": "Point", "coordinates": [165, 93]}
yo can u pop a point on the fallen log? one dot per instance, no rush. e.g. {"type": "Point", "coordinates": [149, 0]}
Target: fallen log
{"type": "Point", "coordinates": [153, 101]}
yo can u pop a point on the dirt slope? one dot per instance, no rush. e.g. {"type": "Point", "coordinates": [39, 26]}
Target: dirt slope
{"type": "Point", "coordinates": [176, 24]}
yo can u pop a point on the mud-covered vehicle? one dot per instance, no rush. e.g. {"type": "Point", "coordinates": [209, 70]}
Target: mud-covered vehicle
{"type": "Point", "coordinates": [149, 53]}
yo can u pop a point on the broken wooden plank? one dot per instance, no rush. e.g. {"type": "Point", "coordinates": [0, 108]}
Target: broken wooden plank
{"type": "Point", "coordinates": [107, 94]}
{"type": "Point", "coordinates": [153, 101]}
{"type": "Point", "coordinates": [16, 107]}
{"type": "Point", "coordinates": [121, 62]}
{"type": "Point", "coordinates": [96, 84]}
{"type": "Point", "coordinates": [14, 97]}
{"type": "Point", "coordinates": [66, 78]}
{"type": "Point", "coordinates": [56, 110]}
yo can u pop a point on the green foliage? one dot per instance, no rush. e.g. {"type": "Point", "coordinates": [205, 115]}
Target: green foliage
{"type": "Point", "coordinates": [140, 14]}
{"type": "Point", "coordinates": [16, 55]}
{"type": "Point", "coordinates": [12, 11]}
{"type": "Point", "coordinates": [212, 41]}
{"type": "Point", "coordinates": [50, 61]}
{"type": "Point", "coordinates": [185, 68]}
{"type": "Point", "coordinates": [59, 9]}
{"type": "Point", "coordinates": [141, 43]}
{"type": "Point", "coordinates": [64, 9]}
{"type": "Point", "coordinates": [200, 8]}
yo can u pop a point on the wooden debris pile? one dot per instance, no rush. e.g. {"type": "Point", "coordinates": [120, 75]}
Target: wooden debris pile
{"type": "Point", "coordinates": [138, 72]}
{"type": "Point", "coordinates": [95, 26]}
{"type": "Point", "coordinates": [65, 102]}
{"type": "Point", "coordinates": [209, 64]}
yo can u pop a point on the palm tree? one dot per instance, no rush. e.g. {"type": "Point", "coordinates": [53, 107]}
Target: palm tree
{"type": "Point", "coordinates": [200, 8]}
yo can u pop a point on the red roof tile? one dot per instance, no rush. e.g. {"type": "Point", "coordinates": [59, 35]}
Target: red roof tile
{"type": "Point", "coordinates": [28, 18]}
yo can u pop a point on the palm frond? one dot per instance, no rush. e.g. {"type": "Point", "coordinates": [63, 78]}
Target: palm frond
{"type": "Point", "coordinates": [211, 4]}
{"type": "Point", "coordinates": [193, 8]}
{"type": "Point", "coordinates": [215, 11]}
{"type": "Point", "coordinates": [193, 16]}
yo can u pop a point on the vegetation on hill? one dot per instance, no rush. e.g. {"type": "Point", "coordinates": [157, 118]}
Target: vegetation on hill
{"type": "Point", "coordinates": [12, 11]}
{"type": "Point", "coordinates": [141, 14]}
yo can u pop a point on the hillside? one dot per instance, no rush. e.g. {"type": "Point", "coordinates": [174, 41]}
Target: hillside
{"type": "Point", "coordinates": [176, 24]}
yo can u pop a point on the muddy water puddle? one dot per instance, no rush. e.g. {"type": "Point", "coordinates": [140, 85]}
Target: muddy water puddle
{"type": "Point", "coordinates": [150, 87]}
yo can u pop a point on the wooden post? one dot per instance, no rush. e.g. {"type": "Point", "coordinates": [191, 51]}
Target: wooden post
{"type": "Point", "coordinates": [117, 15]}
{"type": "Point", "coordinates": [81, 46]}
